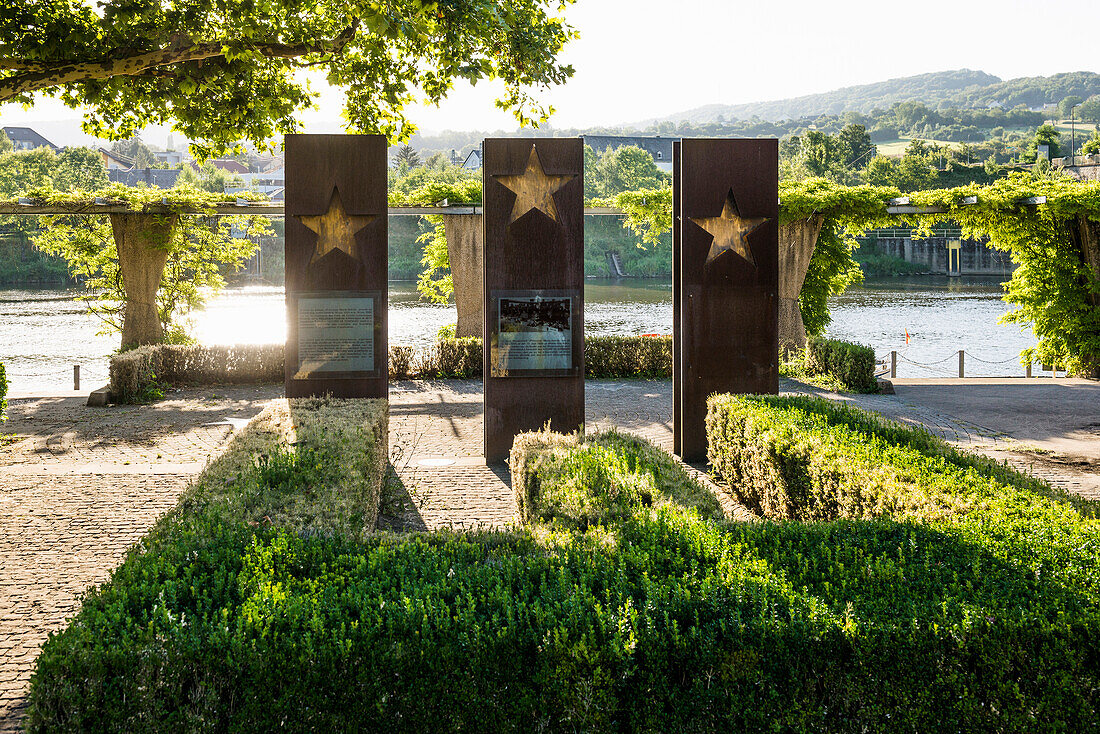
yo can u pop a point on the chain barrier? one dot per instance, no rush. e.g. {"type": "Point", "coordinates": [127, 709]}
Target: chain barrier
{"type": "Point", "coordinates": [902, 357]}
{"type": "Point", "coordinates": [935, 367]}
{"type": "Point", "coordinates": [986, 361]}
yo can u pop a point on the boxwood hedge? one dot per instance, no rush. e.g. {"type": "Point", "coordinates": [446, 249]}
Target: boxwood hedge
{"type": "Point", "coordinates": [852, 365]}
{"type": "Point", "coordinates": [604, 479]}
{"type": "Point", "coordinates": [973, 608]}
{"type": "Point", "coordinates": [645, 357]}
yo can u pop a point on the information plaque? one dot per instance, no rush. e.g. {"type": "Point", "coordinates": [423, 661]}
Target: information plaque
{"type": "Point", "coordinates": [532, 333]}
{"type": "Point", "coordinates": [336, 334]}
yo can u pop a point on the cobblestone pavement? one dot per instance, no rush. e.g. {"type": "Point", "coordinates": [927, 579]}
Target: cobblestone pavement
{"type": "Point", "coordinates": [78, 486]}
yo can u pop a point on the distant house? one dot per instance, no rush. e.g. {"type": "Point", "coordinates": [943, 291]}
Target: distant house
{"type": "Point", "coordinates": [225, 164]}
{"type": "Point", "coordinates": [171, 157]}
{"type": "Point", "coordinates": [114, 161]}
{"type": "Point", "coordinates": [24, 138]}
{"type": "Point", "coordinates": [264, 162]}
{"type": "Point", "coordinates": [658, 147]}
{"type": "Point", "coordinates": [268, 182]}
{"type": "Point", "coordinates": [161, 178]}
{"type": "Point", "coordinates": [473, 160]}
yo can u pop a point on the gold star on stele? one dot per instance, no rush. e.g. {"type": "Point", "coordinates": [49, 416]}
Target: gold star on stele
{"type": "Point", "coordinates": [534, 189]}
{"type": "Point", "coordinates": [335, 228]}
{"type": "Point", "coordinates": [730, 231]}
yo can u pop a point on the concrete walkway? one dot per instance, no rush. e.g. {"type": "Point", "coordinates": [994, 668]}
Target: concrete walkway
{"type": "Point", "coordinates": [79, 486]}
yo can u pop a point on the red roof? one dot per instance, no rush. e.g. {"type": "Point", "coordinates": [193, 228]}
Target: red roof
{"type": "Point", "coordinates": [226, 164]}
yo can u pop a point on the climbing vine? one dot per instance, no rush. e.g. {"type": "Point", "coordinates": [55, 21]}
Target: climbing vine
{"type": "Point", "coordinates": [200, 247]}
{"type": "Point", "coordinates": [425, 187]}
{"type": "Point", "coordinates": [1051, 227]}
{"type": "Point", "coordinates": [847, 211]}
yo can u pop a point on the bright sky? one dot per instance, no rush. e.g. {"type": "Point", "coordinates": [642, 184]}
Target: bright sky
{"type": "Point", "coordinates": [638, 59]}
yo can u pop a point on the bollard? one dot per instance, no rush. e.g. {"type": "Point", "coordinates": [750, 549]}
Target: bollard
{"type": "Point", "coordinates": [961, 353]}
{"type": "Point", "coordinates": [893, 365]}
{"type": "Point", "coordinates": [76, 377]}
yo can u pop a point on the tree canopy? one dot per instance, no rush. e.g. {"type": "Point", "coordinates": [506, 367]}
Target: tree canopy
{"type": "Point", "coordinates": [224, 70]}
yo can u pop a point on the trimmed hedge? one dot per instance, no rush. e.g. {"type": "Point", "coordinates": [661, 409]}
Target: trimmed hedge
{"type": "Point", "coordinates": [602, 480]}
{"type": "Point", "coordinates": [139, 374]}
{"type": "Point", "coordinates": [455, 357]}
{"type": "Point", "coordinates": [646, 357]}
{"type": "Point", "coordinates": [628, 356]}
{"type": "Point", "coordinates": [853, 365]}
{"type": "Point", "coordinates": [976, 608]}
{"type": "Point", "coordinates": [310, 465]}
{"type": "Point", "coordinates": [811, 459]}
{"type": "Point", "coordinates": [135, 372]}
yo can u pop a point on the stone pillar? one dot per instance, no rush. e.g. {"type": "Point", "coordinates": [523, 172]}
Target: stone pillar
{"type": "Point", "coordinates": [797, 241]}
{"type": "Point", "coordinates": [142, 242]}
{"type": "Point", "coordinates": [466, 250]}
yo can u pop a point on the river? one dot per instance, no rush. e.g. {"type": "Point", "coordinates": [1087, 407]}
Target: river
{"type": "Point", "coordinates": [43, 333]}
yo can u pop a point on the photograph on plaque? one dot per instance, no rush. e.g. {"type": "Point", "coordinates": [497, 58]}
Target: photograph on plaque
{"type": "Point", "coordinates": [534, 334]}
{"type": "Point", "coordinates": [336, 334]}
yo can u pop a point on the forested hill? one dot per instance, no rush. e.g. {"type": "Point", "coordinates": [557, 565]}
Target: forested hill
{"type": "Point", "coordinates": [961, 88]}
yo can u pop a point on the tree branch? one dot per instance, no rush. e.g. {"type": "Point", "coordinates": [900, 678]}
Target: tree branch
{"type": "Point", "coordinates": [34, 76]}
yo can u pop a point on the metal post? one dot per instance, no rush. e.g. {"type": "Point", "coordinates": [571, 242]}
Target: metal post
{"type": "Point", "coordinates": [76, 377]}
{"type": "Point", "coordinates": [961, 353]}
{"type": "Point", "coordinates": [893, 364]}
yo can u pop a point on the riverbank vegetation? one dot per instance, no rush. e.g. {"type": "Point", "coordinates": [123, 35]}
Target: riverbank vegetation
{"type": "Point", "coordinates": [875, 544]}
{"type": "Point", "coordinates": [874, 263]}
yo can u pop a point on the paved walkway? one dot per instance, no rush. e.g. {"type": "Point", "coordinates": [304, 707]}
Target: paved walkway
{"type": "Point", "coordinates": [78, 485]}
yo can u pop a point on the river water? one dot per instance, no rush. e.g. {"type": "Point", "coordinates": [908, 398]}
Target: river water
{"type": "Point", "coordinates": [43, 333]}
